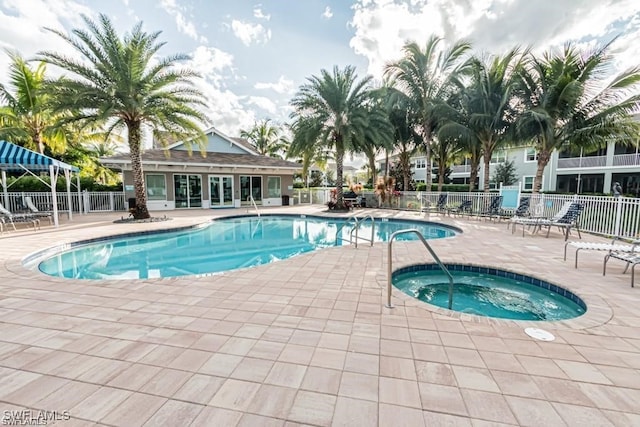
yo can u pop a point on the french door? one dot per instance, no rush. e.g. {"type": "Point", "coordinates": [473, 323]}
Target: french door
{"type": "Point", "coordinates": [221, 191]}
{"type": "Point", "coordinates": [251, 186]}
{"type": "Point", "coordinates": [188, 191]}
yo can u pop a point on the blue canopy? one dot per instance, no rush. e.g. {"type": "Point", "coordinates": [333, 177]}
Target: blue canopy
{"type": "Point", "coordinates": [12, 156]}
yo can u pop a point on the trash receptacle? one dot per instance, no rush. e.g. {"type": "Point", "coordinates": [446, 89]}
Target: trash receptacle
{"type": "Point", "coordinates": [285, 200]}
{"type": "Point", "coordinates": [131, 201]}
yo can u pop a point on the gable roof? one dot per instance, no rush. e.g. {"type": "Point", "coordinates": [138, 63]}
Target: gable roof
{"type": "Point", "coordinates": [181, 157]}
{"type": "Point", "coordinates": [15, 157]}
{"type": "Point", "coordinates": [241, 143]}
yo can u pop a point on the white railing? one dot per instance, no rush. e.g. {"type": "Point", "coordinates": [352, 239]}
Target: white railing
{"type": "Point", "coordinates": [582, 162]}
{"type": "Point", "coordinates": [461, 169]}
{"type": "Point", "coordinates": [87, 201]}
{"type": "Point", "coordinates": [626, 159]}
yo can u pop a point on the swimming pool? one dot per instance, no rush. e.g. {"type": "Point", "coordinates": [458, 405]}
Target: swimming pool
{"type": "Point", "coordinates": [489, 292]}
{"type": "Point", "coordinates": [223, 245]}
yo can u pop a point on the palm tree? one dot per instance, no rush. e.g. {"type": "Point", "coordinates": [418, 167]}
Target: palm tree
{"type": "Point", "coordinates": [26, 118]}
{"type": "Point", "coordinates": [336, 110]}
{"type": "Point", "coordinates": [568, 99]}
{"type": "Point", "coordinates": [490, 102]}
{"type": "Point", "coordinates": [446, 152]}
{"type": "Point", "coordinates": [121, 84]}
{"type": "Point", "coordinates": [265, 138]}
{"type": "Point", "coordinates": [425, 77]}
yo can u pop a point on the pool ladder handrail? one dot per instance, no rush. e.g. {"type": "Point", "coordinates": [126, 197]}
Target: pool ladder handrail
{"type": "Point", "coordinates": [433, 255]}
{"type": "Point", "coordinates": [253, 202]}
{"type": "Point", "coordinates": [355, 229]}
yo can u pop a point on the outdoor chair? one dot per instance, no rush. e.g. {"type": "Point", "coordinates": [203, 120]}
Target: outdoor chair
{"type": "Point", "coordinates": [568, 221]}
{"type": "Point", "coordinates": [634, 246]}
{"type": "Point", "coordinates": [521, 212]}
{"type": "Point", "coordinates": [8, 217]}
{"type": "Point", "coordinates": [534, 221]}
{"type": "Point", "coordinates": [461, 209]}
{"type": "Point", "coordinates": [440, 205]}
{"type": "Point", "coordinates": [631, 258]}
{"type": "Point", "coordinates": [36, 212]}
{"type": "Point", "coordinates": [493, 209]}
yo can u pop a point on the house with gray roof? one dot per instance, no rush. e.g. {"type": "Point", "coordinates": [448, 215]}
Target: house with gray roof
{"type": "Point", "coordinates": [224, 174]}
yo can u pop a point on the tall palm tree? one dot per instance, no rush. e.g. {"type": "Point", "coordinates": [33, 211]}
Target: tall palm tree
{"type": "Point", "coordinates": [568, 99]}
{"type": "Point", "coordinates": [490, 102]}
{"type": "Point", "coordinates": [335, 110]}
{"type": "Point", "coordinates": [120, 83]}
{"type": "Point", "coordinates": [425, 77]}
{"type": "Point", "coordinates": [26, 117]}
{"type": "Point", "coordinates": [266, 138]}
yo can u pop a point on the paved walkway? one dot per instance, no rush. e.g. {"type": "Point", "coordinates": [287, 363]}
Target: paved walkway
{"type": "Point", "coordinates": [307, 341]}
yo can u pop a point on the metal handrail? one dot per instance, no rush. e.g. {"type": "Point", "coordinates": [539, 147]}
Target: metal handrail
{"type": "Point", "coordinates": [342, 226]}
{"type": "Point", "coordinates": [356, 227]}
{"type": "Point", "coordinates": [252, 200]}
{"type": "Point", "coordinates": [433, 254]}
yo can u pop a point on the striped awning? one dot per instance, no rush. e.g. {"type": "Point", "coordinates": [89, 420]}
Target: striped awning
{"type": "Point", "coordinates": [14, 157]}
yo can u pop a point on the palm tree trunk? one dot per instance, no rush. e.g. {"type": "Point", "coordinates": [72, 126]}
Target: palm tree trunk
{"type": "Point", "coordinates": [37, 140]}
{"type": "Point", "coordinates": [441, 173]}
{"type": "Point", "coordinates": [134, 134]}
{"type": "Point", "coordinates": [473, 175]}
{"type": "Point", "coordinates": [487, 170]}
{"type": "Point", "coordinates": [386, 165]}
{"type": "Point", "coordinates": [427, 152]}
{"type": "Point", "coordinates": [543, 160]}
{"type": "Point", "coordinates": [339, 171]}
{"type": "Point", "coordinates": [372, 166]}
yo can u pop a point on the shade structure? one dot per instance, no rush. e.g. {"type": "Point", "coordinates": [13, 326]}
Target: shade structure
{"type": "Point", "coordinates": [16, 158]}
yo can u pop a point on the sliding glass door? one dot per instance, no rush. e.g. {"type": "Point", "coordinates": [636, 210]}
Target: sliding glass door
{"type": "Point", "coordinates": [251, 186]}
{"type": "Point", "coordinates": [188, 191]}
{"type": "Point", "coordinates": [221, 190]}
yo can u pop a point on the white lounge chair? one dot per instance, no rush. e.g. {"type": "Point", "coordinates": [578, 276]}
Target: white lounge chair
{"type": "Point", "coordinates": [12, 218]}
{"type": "Point", "coordinates": [631, 258]}
{"type": "Point", "coordinates": [596, 246]}
{"type": "Point", "coordinates": [36, 212]}
{"type": "Point", "coordinates": [536, 220]}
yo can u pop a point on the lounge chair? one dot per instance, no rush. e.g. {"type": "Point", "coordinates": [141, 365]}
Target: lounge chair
{"type": "Point", "coordinates": [36, 212]}
{"type": "Point", "coordinates": [493, 209]}
{"type": "Point", "coordinates": [631, 258]}
{"type": "Point", "coordinates": [12, 219]}
{"type": "Point", "coordinates": [461, 209]}
{"type": "Point", "coordinates": [521, 212]}
{"type": "Point", "coordinates": [634, 246]}
{"type": "Point", "coordinates": [567, 222]}
{"type": "Point", "coordinates": [534, 221]}
{"type": "Point", "coordinates": [441, 204]}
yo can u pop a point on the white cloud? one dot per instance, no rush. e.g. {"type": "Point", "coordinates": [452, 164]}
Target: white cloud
{"type": "Point", "coordinates": [383, 26]}
{"type": "Point", "coordinates": [264, 103]}
{"type": "Point", "coordinates": [184, 25]}
{"type": "Point", "coordinates": [283, 85]}
{"type": "Point", "coordinates": [327, 14]}
{"type": "Point", "coordinates": [258, 13]}
{"type": "Point", "coordinates": [250, 33]}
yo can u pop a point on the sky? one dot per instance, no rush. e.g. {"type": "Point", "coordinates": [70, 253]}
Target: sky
{"type": "Point", "coordinates": [253, 56]}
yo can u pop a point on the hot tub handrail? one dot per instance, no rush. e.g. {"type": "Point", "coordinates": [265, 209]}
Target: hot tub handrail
{"type": "Point", "coordinates": [253, 202]}
{"type": "Point", "coordinates": [433, 255]}
{"type": "Point", "coordinates": [357, 225]}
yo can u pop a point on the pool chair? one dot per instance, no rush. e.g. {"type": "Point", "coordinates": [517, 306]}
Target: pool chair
{"type": "Point", "coordinates": [440, 205]}
{"type": "Point", "coordinates": [36, 213]}
{"type": "Point", "coordinates": [535, 220]}
{"type": "Point", "coordinates": [631, 258]}
{"type": "Point", "coordinates": [10, 218]}
{"type": "Point", "coordinates": [461, 209]}
{"type": "Point", "coordinates": [521, 212]}
{"type": "Point", "coordinates": [568, 221]}
{"type": "Point", "coordinates": [494, 208]}
{"type": "Point", "coordinates": [614, 246]}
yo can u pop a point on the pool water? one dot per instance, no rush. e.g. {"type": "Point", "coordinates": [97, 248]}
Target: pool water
{"type": "Point", "coordinates": [488, 295]}
{"type": "Point", "coordinates": [225, 244]}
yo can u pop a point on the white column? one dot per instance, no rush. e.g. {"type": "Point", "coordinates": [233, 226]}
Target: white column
{"type": "Point", "coordinates": [54, 196]}
{"type": "Point", "coordinates": [80, 204]}
{"type": "Point", "coordinates": [67, 178]}
{"type": "Point", "coordinates": [4, 189]}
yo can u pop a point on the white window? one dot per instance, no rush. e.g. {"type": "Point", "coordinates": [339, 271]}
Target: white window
{"type": "Point", "coordinates": [156, 187]}
{"type": "Point", "coordinates": [421, 164]}
{"type": "Point", "coordinates": [273, 187]}
{"type": "Point", "coordinates": [499, 156]}
{"type": "Point", "coordinates": [527, 183]}
{"type": "Point", "coordinates": [530, 155]}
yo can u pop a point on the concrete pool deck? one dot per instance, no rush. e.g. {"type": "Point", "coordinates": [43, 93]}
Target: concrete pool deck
{"type": "Point", "coordinates": [308, 341]}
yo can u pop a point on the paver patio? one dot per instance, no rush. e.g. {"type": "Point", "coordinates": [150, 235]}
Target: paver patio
{"type": "Point", "coordinates": [307, 341]}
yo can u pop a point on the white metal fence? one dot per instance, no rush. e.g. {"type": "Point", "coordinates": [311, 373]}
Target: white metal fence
{"type": "Point", "coordinates": [87, 201]}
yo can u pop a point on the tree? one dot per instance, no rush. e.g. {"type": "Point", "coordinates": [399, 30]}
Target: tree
{"type": "Point", "coordinates": [119, 83]}
{"type": "Point", "coordinates": [445, 153]}
{"type": "Point", "coordinates": [490, 105]}
{"type": "Point", "coordinates": [568, 99]}
{"type": "Point", "coordinates": [505, 173]}
{"type": "Point", "coordinates": [335, 110]}
{"type": "Point", "coordinates": [266, 138]}
{"type": "Point", "coordinates": [425, 78]}
{"type": "Point", "coordinates": [27, 118]}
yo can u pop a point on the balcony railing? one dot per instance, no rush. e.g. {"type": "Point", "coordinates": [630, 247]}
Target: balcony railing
{"type": "Point", "coordinates": [626, 159]}
{"type": "Point", "coordinates": [582, 162]}
{"type": "Point", "coordinates": [461, 169]}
